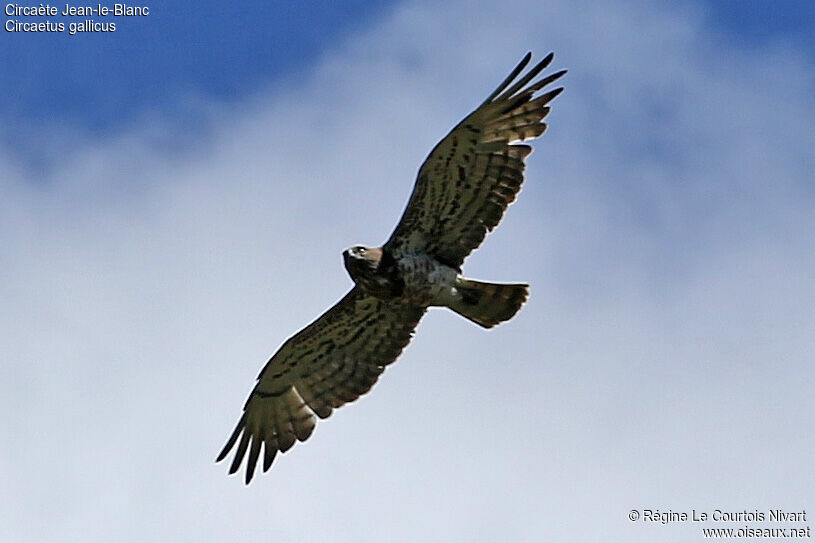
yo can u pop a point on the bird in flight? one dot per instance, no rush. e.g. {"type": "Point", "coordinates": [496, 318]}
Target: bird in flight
{"type": "Point", "coordinates": [461, 192]}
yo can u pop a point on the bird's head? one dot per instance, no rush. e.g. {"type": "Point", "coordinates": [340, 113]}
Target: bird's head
{"type": "Point", "coordinates": [361, 261]}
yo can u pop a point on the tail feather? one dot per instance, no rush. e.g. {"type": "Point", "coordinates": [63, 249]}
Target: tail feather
{"type": "Point", "coordinates": [488, 304]}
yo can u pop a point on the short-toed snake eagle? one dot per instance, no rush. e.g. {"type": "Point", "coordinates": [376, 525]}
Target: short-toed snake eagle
{"type": "Point", "coordinates": [461, 193]}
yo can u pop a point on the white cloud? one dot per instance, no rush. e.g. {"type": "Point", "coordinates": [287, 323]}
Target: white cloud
{"type": "Point", "coordinates": [663, 361]}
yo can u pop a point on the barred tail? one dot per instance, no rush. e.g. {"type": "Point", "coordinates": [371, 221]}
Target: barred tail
{"type": "Point", "coordinates": [488, 304]}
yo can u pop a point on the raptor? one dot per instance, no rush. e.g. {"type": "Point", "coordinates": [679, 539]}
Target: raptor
{"type": "Point", "coordinates": [461, 193]}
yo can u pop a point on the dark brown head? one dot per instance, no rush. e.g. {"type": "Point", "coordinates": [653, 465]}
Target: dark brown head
{"type": "Point", "coordinates": [361, 262]}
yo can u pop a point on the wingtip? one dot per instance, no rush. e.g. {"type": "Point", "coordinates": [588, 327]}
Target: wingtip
{"type": "Point", "coordinates": [268, 457]}
{"type": "Point", "coordinates": [523, 64]}
{"type": "Point", "coordinates": [225, 451]}
{"type": "Point", "coordinates": [232, 438]}
{"type": "Point", "coordinates": [239, 454]}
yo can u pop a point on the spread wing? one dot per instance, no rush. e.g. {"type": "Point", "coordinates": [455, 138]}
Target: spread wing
{"type": "Point", "coordinates": [332, 361]}
{"type": "Point", "coordinates": [473, 174]}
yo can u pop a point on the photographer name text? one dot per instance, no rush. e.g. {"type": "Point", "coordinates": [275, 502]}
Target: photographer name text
{"type": "Point", "coordinates": [719, 515]}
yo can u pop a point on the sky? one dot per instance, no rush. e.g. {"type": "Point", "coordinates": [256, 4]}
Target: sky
{"type": "Point", "coordinates": [175, 197]}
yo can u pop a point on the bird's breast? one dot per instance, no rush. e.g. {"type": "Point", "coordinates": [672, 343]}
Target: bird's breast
{"type": "Point", "coordinates": [425, 278]}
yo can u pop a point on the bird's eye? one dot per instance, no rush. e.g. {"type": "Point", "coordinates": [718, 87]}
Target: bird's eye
{"type": "Point", "coordinates": [361, 250]}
